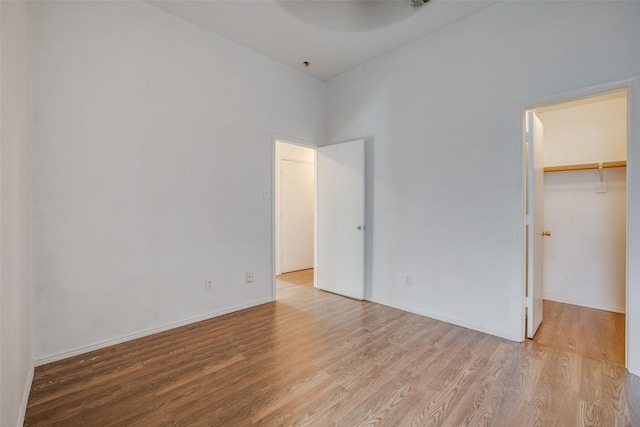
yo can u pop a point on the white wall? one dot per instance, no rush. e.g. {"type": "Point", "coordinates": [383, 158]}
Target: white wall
{"type": "Point", "coordinates": [443, 119]}
{"type": "Point", "coordinates": [585, 257]}
{"type": "Point", "coordinates": [585, 131]}
{"type": "Point", "coordinates": [16, 367]}
{"type": "Point", "coordinates": [152, 147]}
{"type": "Point", "coordinates": [284, 150]}
{"type": "Point", "coordinates": [293, 151]}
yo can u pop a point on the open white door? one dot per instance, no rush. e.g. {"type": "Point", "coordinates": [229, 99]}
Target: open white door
{"type": "Point", "coordinates": [340, 219]}
{"type": "Point", "coordinates": [535, 224]}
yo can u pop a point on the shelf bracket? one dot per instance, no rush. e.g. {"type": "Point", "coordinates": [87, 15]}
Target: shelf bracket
{"type": "Point", "coordinates": [600, 172]}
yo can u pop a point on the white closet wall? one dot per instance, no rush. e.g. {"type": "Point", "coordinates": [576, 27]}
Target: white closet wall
{"type": "Point", "coordinates": [585, 257]}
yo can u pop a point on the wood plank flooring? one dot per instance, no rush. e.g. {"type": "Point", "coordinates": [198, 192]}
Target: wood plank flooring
{"type": "Point", "coordinates": [587, 331]}
{"type": "Point", "coordinates": [317, 359]}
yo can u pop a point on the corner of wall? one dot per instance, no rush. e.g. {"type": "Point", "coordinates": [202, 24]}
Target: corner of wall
{"type": "Point", "coordinates": [16, 367]}
{"type": "Point", "coordinates": [25, 396]}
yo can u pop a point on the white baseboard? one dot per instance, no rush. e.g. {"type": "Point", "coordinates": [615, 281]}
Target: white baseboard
{"type": "Point", "coordinates": [25, 396]}
{"type": "Point", "coordinates": [445, 319]}
{"type": "Point", "coordinates": [102, 344]}
{"type": "Point", "coordinates": [582, 304]}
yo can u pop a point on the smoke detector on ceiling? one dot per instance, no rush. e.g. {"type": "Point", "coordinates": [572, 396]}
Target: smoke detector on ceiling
{"type": "Point", "coordinates": [417, 3]}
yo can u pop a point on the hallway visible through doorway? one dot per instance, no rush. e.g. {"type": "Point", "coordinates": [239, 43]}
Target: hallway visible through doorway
{"type": "Point", "coordinates": [295, 278]}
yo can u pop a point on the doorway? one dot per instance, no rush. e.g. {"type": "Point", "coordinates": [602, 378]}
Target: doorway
{"type": "Point", "coordinates": [576, 253]}
{"type": "Point", "coordinates": [338, 217]}
{"type": "Point", "coordinates": [294, 213]}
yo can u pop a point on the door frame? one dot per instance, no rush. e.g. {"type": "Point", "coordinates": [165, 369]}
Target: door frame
{"type": "Point", "coordinates": [632, 300]}
{"type": "Point", "coordinates": [274, 169]}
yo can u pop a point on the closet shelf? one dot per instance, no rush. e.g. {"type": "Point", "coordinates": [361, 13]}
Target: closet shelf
{"type": "Point", "coordinates": [585, 166]}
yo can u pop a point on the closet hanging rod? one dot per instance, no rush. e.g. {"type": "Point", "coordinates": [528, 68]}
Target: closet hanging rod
{"type": "Point", "coordinates": [585, 166]}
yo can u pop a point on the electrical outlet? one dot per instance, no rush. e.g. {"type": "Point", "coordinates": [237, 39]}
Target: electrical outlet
{"type": "Point", "coordinates": [249, 277]}
{"type": "Point", "coordinates": [408, 280]}
{"type": "Point", "coordinates": [208, 284]}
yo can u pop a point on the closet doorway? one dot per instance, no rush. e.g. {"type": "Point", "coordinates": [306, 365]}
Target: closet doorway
{"type": "Point", "coordinates": [576, 281]}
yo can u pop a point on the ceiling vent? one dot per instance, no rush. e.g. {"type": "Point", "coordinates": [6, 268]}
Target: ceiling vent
{"type": "Point", "coordinates": [417, 3]}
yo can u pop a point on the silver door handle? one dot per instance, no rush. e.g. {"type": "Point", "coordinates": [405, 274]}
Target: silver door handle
{"type": "Point", "coordinates": [362, 227]}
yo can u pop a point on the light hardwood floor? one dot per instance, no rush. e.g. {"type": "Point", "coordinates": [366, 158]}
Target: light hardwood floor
{"type": "Point", "coordinates": [594, 333]}
{"type": "Point", "coordinates": [316, 359]}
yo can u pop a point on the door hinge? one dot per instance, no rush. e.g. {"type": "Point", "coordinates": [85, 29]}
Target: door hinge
{"type": "Point", "coordinates": [529, 219]}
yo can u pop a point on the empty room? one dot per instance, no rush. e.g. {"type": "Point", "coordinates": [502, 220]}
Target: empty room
{"type": "Point", "coordinates": [232, 213]}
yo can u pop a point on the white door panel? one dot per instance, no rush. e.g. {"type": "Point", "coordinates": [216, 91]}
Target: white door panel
{"type": "Point", "coordinates": [535, 140]}
{"type": "Point", "coordinates": [296, 215]}
{"type": "Point", "coordinates": [340, 219]}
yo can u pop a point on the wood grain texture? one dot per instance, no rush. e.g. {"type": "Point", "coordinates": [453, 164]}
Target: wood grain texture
{"type": "Point", "coordinates": [586, 166]}
{"type": "Point", "coordinates": [316, 359]}
{"type": "Point", "coordinates": [595, 333]}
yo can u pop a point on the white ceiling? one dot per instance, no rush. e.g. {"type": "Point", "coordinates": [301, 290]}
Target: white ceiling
{"type": "Point", "coordinates": [333, 35]}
